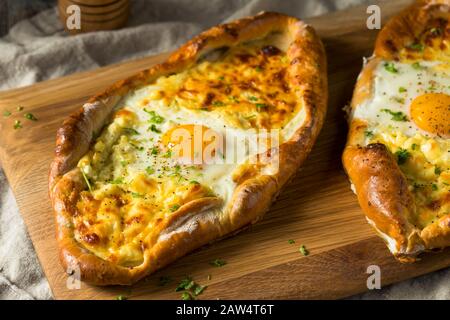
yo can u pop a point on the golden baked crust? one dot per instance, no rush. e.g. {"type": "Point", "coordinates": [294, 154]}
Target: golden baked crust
{"type": "Point", "coordinates": [253, 195]}
{"type": "Point", "coordinates": [418, 33]}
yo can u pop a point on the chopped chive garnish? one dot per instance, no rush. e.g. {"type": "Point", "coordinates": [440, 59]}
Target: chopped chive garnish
{"type": "Point", "coordinates": [183, 284]}
{"type": "Point", "coordinates": [402, 155]}
{"type": "Point", "coordinates": [291, 241]}
{"type": "Point", "coordinates": [396, 116]}
{"type": "Point", "coordinates": [154, 129]}
{"type": "Point", "coordinates": [198, 289]}
{"type": "Point", "coordinates": [86, 179]}
{"type": "Point", "coordinates": [389, 66]}
{"type": "Point", "coordinates": [186, 296]}
{"type": "Point", "coordinates": [30, 116]}
{"type": "Point", "coordinates": [17, 124]}
{"type": "Point", "coordinates": [402, 89]}
{"type": "Point", "coordinates": [303, 250]}
{"type": "Point", "coordinates": [368, 134]}
{"type": "Point", "coordinates": [417, 47]}
{"type": "Point", "coordinates": [218, 263]}
{"type": "Point", "coordinates": [6, 113]}
{"type": "Point", "coordinates": [417, 66]}
{"type": "Point", "coordinates": [154, 117]}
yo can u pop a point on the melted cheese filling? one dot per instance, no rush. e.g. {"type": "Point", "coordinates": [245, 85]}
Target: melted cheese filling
{"type": "Point", "coordinates": [135, 181]}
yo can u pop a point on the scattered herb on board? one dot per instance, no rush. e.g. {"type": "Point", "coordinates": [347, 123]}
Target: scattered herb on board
{"type": "Point", "coordinates": [30, 116]}
{"type": "Point", "coordinates": [303, 250]}
{"type": "Point", "coordinates": [186, 296]}
{"type": "Point", "coordinates": [17, 124]}
{"type": "Point", "coordinates": [19, 108]}
{"type": "Point", "coordinates": [402, 155]}
{"type": "Point", "coordinates": [291, 241]}
{"type": "Point", "coordinates": [190, 289]}
{"type": "Point", "coordinates": [183, 284]}
{"type": "Point", "coordinates": [198, 289]}
{"type": "Point", "coordinates": [6, 113]}
{"type": "Point", "coordinates": [218, 263]}
{"type": "Point", "coordinates": [396, 116]}
{"type": "Point", "coordinates": [121, 297]}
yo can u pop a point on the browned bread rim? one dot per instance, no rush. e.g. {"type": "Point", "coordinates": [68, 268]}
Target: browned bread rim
{"type": "Point", "coordinates": [252, 197]}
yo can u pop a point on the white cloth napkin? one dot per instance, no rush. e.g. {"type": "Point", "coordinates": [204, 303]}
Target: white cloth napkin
{"type": "Point", "coordinates": [38, 49]}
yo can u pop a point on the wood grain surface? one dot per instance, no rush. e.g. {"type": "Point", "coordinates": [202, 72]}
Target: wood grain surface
{"type": "Point", "coordinates": [317, 209]}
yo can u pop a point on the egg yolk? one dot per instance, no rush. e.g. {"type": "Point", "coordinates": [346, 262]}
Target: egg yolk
{"type": "Point", "coordinates": [431, 112]}
{"type": "Point", "coordinates": [193, 144]}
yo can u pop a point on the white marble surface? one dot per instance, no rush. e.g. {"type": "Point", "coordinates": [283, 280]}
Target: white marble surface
{"type": "Point", "coordinates": [38, 49]}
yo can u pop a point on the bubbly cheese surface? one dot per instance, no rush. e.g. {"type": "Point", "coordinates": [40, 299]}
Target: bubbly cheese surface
{"type": "Point", "coordinates": [409, 112]}
{"type": "Point", "coordinates": [136, 180]}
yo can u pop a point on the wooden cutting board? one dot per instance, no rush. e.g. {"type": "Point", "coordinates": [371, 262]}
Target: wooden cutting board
{"type": "Point", "coordinates": [317, 209]}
